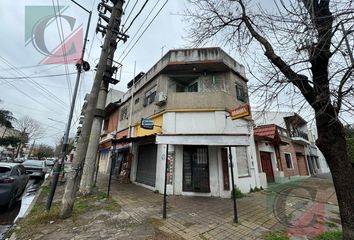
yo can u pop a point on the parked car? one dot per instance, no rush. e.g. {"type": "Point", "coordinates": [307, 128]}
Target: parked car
{"type": "Point", "coordinates": [13, 181]}
{"type": "Point", "coordinates": [36, 168]}
{"type": "Point", "coordinates": [19, 160]}
{"type": "Point", "coordinates": [50, 162]}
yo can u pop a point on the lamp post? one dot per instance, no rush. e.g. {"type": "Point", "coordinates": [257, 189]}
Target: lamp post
{"type": "Point", "coordinates": [81, 64]}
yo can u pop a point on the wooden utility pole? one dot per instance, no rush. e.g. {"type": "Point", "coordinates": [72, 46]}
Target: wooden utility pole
{"type": "Point", "coordinates": [111, 33]}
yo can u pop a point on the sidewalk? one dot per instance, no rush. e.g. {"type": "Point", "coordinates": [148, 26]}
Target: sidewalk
{"type": "Point", "coordinates": [211, 218]}
{"type": "Point", "coordinates": [301, 208]}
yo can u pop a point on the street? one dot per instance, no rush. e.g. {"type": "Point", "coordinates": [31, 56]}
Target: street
{"type": "Point", "coordinates": [9, 216]}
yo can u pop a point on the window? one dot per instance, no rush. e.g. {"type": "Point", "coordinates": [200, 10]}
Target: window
{"type": "Point", "coordinates": [150, 96]}
{"type": "Point", "coordinates": [105, 124]}
{"type": "Point", "coordinates": [193, 87]}
{"type": "Point", "coordinates": [289, 162]}
{"type": "Point", "coordinates": [240, 93]}
{"type": "Point", "coordinates": [124, 113]}
{"type": "Point", "coordinates": [136, 101]}
{"type": "Point", "coordinates": [242, 161]}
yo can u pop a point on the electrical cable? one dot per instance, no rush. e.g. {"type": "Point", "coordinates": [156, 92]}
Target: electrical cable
{"type": "Point", "coordinates": [62, 44]}
{"type": "Point", "coordinates": [131, 11]}
{"type": "Point", "coordinates": [41, 76]}
{"type": "Point", "coordinates": [46, 91]}
{"type": "Point", "coordinates": [141, 25]}
{"type": "Point", "coordinates": [24, 93]}
{"type": "Point", "coordinates": [136, 16]}
{"type": "Point", "coordinates": [121, 60]}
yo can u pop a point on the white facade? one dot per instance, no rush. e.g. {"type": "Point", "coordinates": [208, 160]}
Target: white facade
{"type": "Point", "coordinates": [202, 129]}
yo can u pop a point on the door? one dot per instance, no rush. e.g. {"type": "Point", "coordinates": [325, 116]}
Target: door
{"type": "Point", "coordinates": [301, 163]}
{"type": "Point", "coordinates": [146, 170]}
{"type": "Point", "coordinates": [267, 167]}
{"type": "Point", "coordinates": [195, 169]}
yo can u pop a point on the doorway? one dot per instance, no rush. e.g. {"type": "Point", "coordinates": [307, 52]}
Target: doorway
{"type": "Point", "coordinates": [196, 169]}
{"type": "Point", "coordinates": [267, 167]}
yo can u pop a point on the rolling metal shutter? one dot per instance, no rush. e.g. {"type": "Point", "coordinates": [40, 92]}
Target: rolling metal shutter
{"type": "Point", "coordinates": [146, 170]}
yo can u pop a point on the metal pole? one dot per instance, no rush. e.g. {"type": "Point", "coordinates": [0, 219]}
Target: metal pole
{"type": "Point", "coordinates": [67, 130]}
{"type": "Point", "coordinates": [164, 191]}
{"type": "Point", "coordinates": [113, 160]}
{"type": "Point", "coordinates": [233, 187]}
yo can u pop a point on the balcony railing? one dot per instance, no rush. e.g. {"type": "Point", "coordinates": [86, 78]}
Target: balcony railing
{"type": "Point", "coordinates": [298, 133]}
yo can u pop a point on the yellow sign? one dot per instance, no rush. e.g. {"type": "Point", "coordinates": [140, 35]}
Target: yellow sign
{"type": "Point", "coordinates": [242, 111]}
{"type": "Point", "coordinates": [139, 131]}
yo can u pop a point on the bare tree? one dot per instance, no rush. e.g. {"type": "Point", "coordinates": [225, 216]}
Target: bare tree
{"type": "Point", "coordinates": [29, 129]}
{"type": "Point", "coordinates": [306, 56]}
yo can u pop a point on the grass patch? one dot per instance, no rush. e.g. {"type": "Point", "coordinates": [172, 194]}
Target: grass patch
{"type": "Point", "coordinates": [154, 222]}
{"type": "Point", "coordinates": [39, 217]}
{"type": "Point", "coordinates": [330, 235]}
{"type": "Point", "coordinates": [237, 193]}
{"type": "Point", "coordinates": [275, 235]}
{"type": "Point", "coordinates": [45, 190]}
{"type": "Point", "coordinates": [331, 224]}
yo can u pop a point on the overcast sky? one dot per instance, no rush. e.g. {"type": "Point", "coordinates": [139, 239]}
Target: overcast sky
{"type": "Point", "coordinates": [17, 60]}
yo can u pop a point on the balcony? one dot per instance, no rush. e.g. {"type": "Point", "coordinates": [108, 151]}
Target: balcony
{"type": "Point", "coordinates": [299, 136]}
{"type": "Point", "coordinates": [201, 100]}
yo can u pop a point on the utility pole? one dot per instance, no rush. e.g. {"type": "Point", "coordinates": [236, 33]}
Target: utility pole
{"type": "Point", "coordinates": [81, 64]}
{"type": "Point", "coordinates": [104, 66]}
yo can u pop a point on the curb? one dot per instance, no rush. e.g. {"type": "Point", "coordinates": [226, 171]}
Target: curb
{"type": "Point", "coordinates": [34, 201]}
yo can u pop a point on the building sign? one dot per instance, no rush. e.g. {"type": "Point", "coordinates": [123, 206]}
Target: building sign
{"type": "Point", "coordinates": [147, 123]}
{"type": "Point", "coordinates": [242, 111]}
{"type": "Point", "coordinates": [170, 167]}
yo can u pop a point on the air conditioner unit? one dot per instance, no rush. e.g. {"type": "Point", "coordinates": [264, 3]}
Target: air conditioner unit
{"type": "Point", "coordinates": [161, 99]}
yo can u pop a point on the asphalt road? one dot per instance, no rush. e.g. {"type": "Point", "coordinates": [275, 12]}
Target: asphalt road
{"type": "Point", "coordinates": [9, 216]}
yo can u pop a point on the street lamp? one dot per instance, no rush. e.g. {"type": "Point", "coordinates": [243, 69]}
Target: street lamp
{"type": "Point", "coordinates": [80, 65]}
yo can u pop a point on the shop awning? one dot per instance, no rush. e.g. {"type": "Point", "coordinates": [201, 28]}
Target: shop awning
{"type": "Point", "coordinates": [204, 139]}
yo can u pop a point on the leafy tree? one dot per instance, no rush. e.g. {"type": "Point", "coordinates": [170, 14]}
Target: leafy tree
{"type": "Point", "coordinates": [6, 119]}
{"type": "Point", "coordinates": [43, 151]}
{"type": "Point", "coordinates": [11, 140]}
{"type": "Point", "coordinates": [306, 55]}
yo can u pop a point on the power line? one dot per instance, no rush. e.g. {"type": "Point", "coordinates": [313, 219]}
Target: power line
{"type": "Point", "coordinates": [136, 16]}
{"type": "Point", "coordinates": [41, 76]}
{"type": "Point", "coordinates": [121, 60]}
{"type": "Point", "coordinates": [46, 91]}
{"type": "Point", "coordinates": [131, 11]}
{"type": "Point", "coordinates": [24, 93]}
{"type": "Point", "coordinates": [61, 37]}
{"type": "Point", "coordinates": [141, 25]}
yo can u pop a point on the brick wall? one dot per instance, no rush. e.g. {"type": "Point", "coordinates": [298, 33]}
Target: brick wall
{"type": "Point", "coordinates": [289, 148]}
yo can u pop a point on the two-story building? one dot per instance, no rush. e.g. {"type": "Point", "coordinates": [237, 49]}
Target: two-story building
{"type": "Point", "coordinates": [188, 94]}
{"type": "Point", "coordinates": [283, 148]}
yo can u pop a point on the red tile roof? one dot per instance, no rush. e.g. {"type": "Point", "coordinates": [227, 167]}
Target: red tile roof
{"type": "Point", "coordinates": [268, 131]}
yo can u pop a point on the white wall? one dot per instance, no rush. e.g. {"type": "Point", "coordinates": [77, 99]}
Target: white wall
{"type": "Point", "coordinates": [104, 162]}
{"type": "Point", "coordinates": [202, 122]}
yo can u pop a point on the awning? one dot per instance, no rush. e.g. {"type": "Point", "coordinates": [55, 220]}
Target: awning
{"type": "Point", "coordinates": [148, 138]}
{"type": "Point", "coordinates": [204, 139]}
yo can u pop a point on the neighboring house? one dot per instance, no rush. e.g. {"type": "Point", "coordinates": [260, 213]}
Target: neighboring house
{"type": "Point", "coordinates": [317, 162]}
{"type": "Point", "coordinates": [109, 129]}
{"type": "Point", "coordinates": [283, 147]}
{"type": "Point", "coordinates": [188, 95]}
{"type": "Point", "coordinates": [8, 151]}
